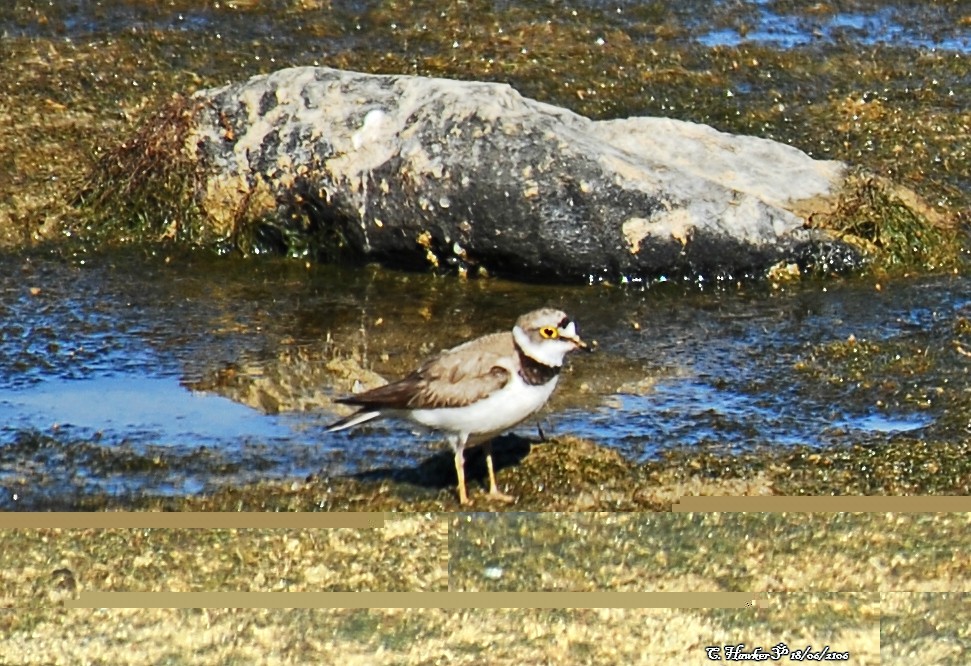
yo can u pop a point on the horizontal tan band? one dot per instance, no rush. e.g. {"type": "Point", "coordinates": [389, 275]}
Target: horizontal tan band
{"type": "Point", "coordinates": [192, 519]}
{"type": "Point", "coordinates": [414, 600]}
{"type": "Point", "coordinates": [812, 504]}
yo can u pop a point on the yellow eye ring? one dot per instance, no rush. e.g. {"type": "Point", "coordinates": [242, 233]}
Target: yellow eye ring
{"type": "Point", "coordinates": [549, 333]}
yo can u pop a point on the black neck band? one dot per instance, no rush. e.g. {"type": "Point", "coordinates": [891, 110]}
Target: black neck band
{"type": "Point", "coordinates": [533, 372]}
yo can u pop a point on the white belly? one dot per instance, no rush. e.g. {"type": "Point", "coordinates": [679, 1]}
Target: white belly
{"type": "Point", "coordinates": [490, 416]}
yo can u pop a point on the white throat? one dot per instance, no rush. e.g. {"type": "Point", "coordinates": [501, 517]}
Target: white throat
{"type": "Point", "coordinates": [547, 352]}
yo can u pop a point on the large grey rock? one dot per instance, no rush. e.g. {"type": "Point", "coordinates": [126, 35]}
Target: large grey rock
{"type": "Point", "coordinates": [419, 172]}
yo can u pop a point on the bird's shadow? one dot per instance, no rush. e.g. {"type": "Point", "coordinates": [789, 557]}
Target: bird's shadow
{"type": "Point", "coordinates": [438, 471]}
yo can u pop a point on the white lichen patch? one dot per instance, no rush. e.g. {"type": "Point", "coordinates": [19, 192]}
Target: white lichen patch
{"type": "Point", "coordinates": [635, 230]}
{"type": "Point", "coordinates": [674, 223]}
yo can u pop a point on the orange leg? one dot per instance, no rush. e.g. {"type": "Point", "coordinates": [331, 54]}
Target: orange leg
{"type": "Point", "coordinates": [460, 473]}
{"type": "Point", "coordinates": [494, 491]}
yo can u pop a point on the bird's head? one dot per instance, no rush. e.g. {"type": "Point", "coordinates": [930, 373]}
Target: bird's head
{"type": "Point", "coordinates": [547, 335]}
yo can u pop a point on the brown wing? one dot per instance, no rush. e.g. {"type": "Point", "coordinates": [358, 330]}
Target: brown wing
{"type": "Point", "coordinates": [454, 378]}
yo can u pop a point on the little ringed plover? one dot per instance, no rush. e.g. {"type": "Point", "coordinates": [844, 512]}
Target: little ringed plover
{"type": "Point", "coordinates": [478, 389]}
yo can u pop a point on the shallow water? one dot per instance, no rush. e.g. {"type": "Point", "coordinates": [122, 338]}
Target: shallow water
{"type": "Point", "coordinates": [787, 25]}
{"type": "Point", "coordinates": [96, 361]}
{"type": "Point", "coordinates": [779, 23]}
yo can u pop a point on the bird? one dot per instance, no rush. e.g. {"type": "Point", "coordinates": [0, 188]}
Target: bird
{"type": "Point", "coordinates": [479, 389]}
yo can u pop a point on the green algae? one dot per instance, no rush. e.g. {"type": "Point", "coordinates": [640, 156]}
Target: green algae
{"type": "Point", "coordinates": [901, 236]}
{"type": "Point", "coordinates": [144, 189]}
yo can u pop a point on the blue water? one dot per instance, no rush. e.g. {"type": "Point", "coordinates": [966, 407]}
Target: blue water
{"type": "Point", "coordinates": [928, 25]}
{"type": "Point", "coordinates": [137, 407]}
{"type": "Point", "coordinates": [768, 23]}
{"type": "Point", "coordinates": [880, 27]}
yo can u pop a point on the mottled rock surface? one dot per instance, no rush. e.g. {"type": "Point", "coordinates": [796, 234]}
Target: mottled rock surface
{"type": "Point", "coordinates": [424, 173]}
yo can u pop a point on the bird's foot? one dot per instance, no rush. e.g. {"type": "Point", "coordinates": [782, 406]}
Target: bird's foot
{"type": "Point", "coordinates": [498, 495]}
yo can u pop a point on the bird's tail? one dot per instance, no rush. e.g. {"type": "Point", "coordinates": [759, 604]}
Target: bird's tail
{"type": "Point", "coordinates": [354, 419]}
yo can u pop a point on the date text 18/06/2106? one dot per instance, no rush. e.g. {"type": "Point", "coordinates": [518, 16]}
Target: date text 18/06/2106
{"type": "Point", "coordinates": [780, 651]}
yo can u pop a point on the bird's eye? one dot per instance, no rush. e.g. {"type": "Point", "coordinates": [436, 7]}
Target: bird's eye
{"type": "Point", "coordinates": [549, 333]}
